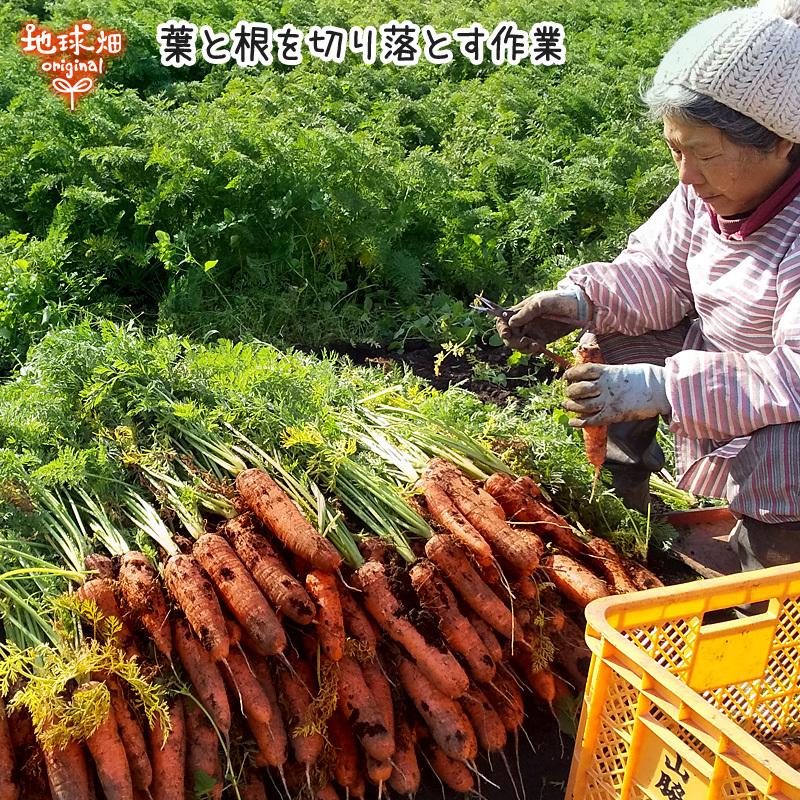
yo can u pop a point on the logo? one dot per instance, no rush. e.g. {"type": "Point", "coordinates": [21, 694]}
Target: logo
{"type": "Point", "coordinates": [73, 59]}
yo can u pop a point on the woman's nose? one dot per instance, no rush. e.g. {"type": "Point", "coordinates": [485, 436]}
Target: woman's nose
{"type": "Point", "coordinates": [689, 172]}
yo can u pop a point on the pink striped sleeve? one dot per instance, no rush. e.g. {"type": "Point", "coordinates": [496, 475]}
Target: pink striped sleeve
{"type": "Point", "coordinates": [722, 395]}
{"type": "Point", "coordinates": [647, 286]}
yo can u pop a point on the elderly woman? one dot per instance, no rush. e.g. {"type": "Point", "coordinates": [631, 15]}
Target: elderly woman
{"type": "Point", "coordinates": [699, 317]}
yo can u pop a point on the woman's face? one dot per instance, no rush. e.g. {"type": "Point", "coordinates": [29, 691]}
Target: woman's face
{"type": "Point", "coordinates": [732, 178]}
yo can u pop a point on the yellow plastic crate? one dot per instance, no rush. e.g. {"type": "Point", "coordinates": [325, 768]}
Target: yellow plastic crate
{"type": "Point", "coordinates": [678, 710]}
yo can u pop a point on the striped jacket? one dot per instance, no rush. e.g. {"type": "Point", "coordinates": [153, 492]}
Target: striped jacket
{"type": "Point", "coordinates": [740, 367]}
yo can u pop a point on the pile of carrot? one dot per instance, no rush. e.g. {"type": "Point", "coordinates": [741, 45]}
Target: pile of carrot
{"type": "Point", "coordinates": [290, 674]}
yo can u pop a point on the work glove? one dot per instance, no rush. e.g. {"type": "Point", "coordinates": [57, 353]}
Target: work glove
{"type": "Point", "coordinates": [528, 332]}
{"type": "Point", "coordinates": [605, 393]}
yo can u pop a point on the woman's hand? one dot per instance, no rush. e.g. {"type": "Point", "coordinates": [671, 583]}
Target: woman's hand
{"type": "Point", "coordinates": [529, 330]}
{"type": "Point", "coordinates": [605, 393]}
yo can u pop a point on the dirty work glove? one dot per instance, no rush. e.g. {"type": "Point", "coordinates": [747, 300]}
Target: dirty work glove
{"type": "Point", "coordinates": [606, 393]}
{"type": "Point", "coordinates": [527, 332]}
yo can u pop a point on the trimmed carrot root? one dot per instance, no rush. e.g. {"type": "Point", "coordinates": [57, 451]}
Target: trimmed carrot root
{"type": "Point", "coordinates": [330, 622]}
{"type": "Point", "coordinates": [505, 695]}
{"type": "Point", "coordinates": [641, 576]}
{"type": "Point", "coordinates": [405, 777]}
{"type": "Point", "coordinates": [8, 786]}
{"type": "Point", "coordinates": [195, 596]}
{"type": "Point", "coordinates": [272, 741]}
{"type": "Point", "coordinates": [109, 756]}
{"type": "Point", "coordinates": [381, 692]}
{"type": "Point", "coordinates": [610, 565]}
{"type": "Point", "coordinates": [345, 758]}
{"type": "Point", "coordinates": [101, 590]}
{"type": "Point", "coordinates": [518, 548]}
{"type": "Point", "coordinates": [68, 772]}
{"type": "Point", "coordinates": [573, 581]}
{"type": "Point", "coordinates": [274, 509]}
{"type": "Point", "coordinates": [444, 512]}
{"type": "Point", "coordinates": [455, 566]}
{"type": "Point", "coordinates": [488, 637]}
{"type": "Point", "coordinates": [485, 720]}
{"type": "Point", "coordinates": [274, 579]}
{"type": "Point", "coordinates": [297, 693]}
{"type": "Point", "coordinates": [132, 737]}
{"type": "Point", "coordinates": [453, 774]}
{"type": "Point", "coordinates": [247, 689]}
{"type": "Point", "coordinates": [436, 596]}
{"type": "Point", "coordinates": [440, 667]}
{"type": "Point", "coordinates": [204, 676]}
{"type": "Point", "coordinates": [448, 724]}
{"type": "Point", "coordinates": [203, 764]}
{"type": "Point", "coordinates": [356, 622]}
{"type": "Point", "coordinates": [144, 599]}
{"type": "Point", "coordinates": [169, 760]}
{"type": "Point", "coordinates": [360, 709]}
{"type": "Point", "coordinates": [521, 505]}
{"type": "Point", "coordinates": [378, 771]}
{"type": "Point", "coordinates": [240, 593]}
{"type": "Point", "coordinates": [595, 437]}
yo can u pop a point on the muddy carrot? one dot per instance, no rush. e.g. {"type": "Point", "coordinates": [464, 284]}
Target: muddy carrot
{"type": "Point", "coordinates": [169, 759]}
{"type": "Point", "coordinates": [132, 737]}
{"type": "Point", "coordinates": [102, 592]}
{"type": "Point", "coordinates": [381, 692]}
{"type": "Point", "coordinates": [573, 581]}
{"type": "Point", "coordinates": [405, 777]}
{"type": "Point", "coordinates": [452, 773]}
{"type": "Point", "coordinates": [448, 724]}
{"type": "Point", "coordinates": [330, 622]}
{"type": "Point", "coordinates": [203, 764]}
{"type": "Point", "coordinates": [240, 593]}
{"type": "Point", "coordinates": [203, 674]}
{"type": "Point", "coordinates": [272, 741]}
{"type": "Point", "coordinates": [641, 576]}
{"type": "Point", "coordinates": [356, 621]}
{"type": "Point", "coordinates": [378, 771]}
{"type": "Point", "coordinates": [297, 693]}
{"type": "Point", "coordinates": [440, 666]}
{"type": "Point", "coordinates": [485, 720]}
{"type": "Point", "coordinates": [604, 559]}
{"type": "Point", "coordinates": [8, 785]}
{"type": "Point", "coordinates": [195, 596]}
{"type": "Point", "coordinates": [487, 635]}
{"type": "Point", "coordinates": [275, 510]}
{"type": "Point", "coordinates": [68, 772]}
{"type": "Point", "coordinates": [505, 696]}
{"type": "Point", "coordinates": [345, 767]}
{"type": "Point", "coordinates": [455, 566]}
{"type": "Point", "coordinates": [144, 599]}
{"type": "Point", "coordinates": [274, 579]}
{"type": "Point", "coordinates": [252, 787]}
{"type": "Point", "coordinates": [436, 596]}
{"type": "Point", "coordinates": [595, 437]}
{"type": "Point", "coordinates": [100, 564]}
{"type": "Point", "coordinates": [247, 689]}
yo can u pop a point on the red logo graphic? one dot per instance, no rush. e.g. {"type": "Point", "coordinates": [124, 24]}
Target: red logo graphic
{"type": "Point", "coordinates": [72, 59]}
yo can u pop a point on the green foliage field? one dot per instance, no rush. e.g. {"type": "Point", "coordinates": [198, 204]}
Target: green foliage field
{"type": "Point", "coordinates": [321, 202]}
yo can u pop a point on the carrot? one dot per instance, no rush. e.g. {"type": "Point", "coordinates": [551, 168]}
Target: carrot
{"type": "Point", "coordinates": [144, 599]}
{"type": "Point", "coordinates": [345, 766]}
{"type": "Point", "coordinates": [132, 736]}
{"type": "Point", "coordinates": [240, 593]}
{"type": "Point", "coordinates": [787, 748]}
{"type": "Point", "coordinates": [273, 744]}
{"type": "Point", "coordinates": [444, 717]}
{"type": "Point", "coordinates": [436, 596]}
{"type": "Point", "coordinates": [101, 591]}
{"type": "Point", "coordinates": [439, 665]}
{"type": "Point", "coordinates": [204, 676]}
{"type": "Point", "coordinates": [381, 692]}
{"type": "Point", "coordinates": [378, 771]}
{"type": "Point", "coordinates": [330, 622]}
{"type": "Point", "coordinates": [505, 695]}
{"type": "Point", "coordinates": [8, 785]}
{"type": "Point", "coordinates": [169, 759]}
{"type": "Point", "coordinates": [595, 437]}
{"type": "Point", "coordinates": [571, 651]}
{"type": "Point", "coordinates": [100, 564]}
{"type": "Point", "coordinates": [518, 548]}
{"type": "Point", "coordinates": [327, 792]}
{"type": "Point", "coordinates": [452, 773]}
{"type": "Point", "coordinates": [297, 692]}
{"type": "Point", "coordinates": [527, 588]}
{"type": "Point", "coordinates": [574, 582]}
{"type": "Point", "coordinates": [455, 566]}
{"type": "Point", "coordinates": [641, 576]}
{"type": "Point", "coordinates": [203, 765]}
{"type": "Point", "coordinates": [68, 772]}
{"type": "Point", "coordinates": [252, 699]}
{"type": "Point", "coordinates": [252, 788]}
{"type": "Point", "coordinates": [485, 720]}
{"type": "Point", "coordinates": [444, 512]}
{"type": "Point", "coordinates": [484, 630]}
{"type": "Point", "coordinates": [405, 777]}
{"type": "Point", "coordinates": [108, 754]}
{"type": "Point", "coordinates": [356, 622]}
{"type": "Point", "coordinates": [360, 709]}
{"type": "Point", "coordinates": [275, 510]}
{"type": "Point", "coordinates": [193, 593]}
{"type": "Point", "coordinates": [280, 587]}
{"type": "Point", "coordinates": [609, 564]}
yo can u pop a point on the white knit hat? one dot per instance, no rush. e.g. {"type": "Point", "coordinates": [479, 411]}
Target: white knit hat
{"type": "Point", "coordinates": [747, 59]}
